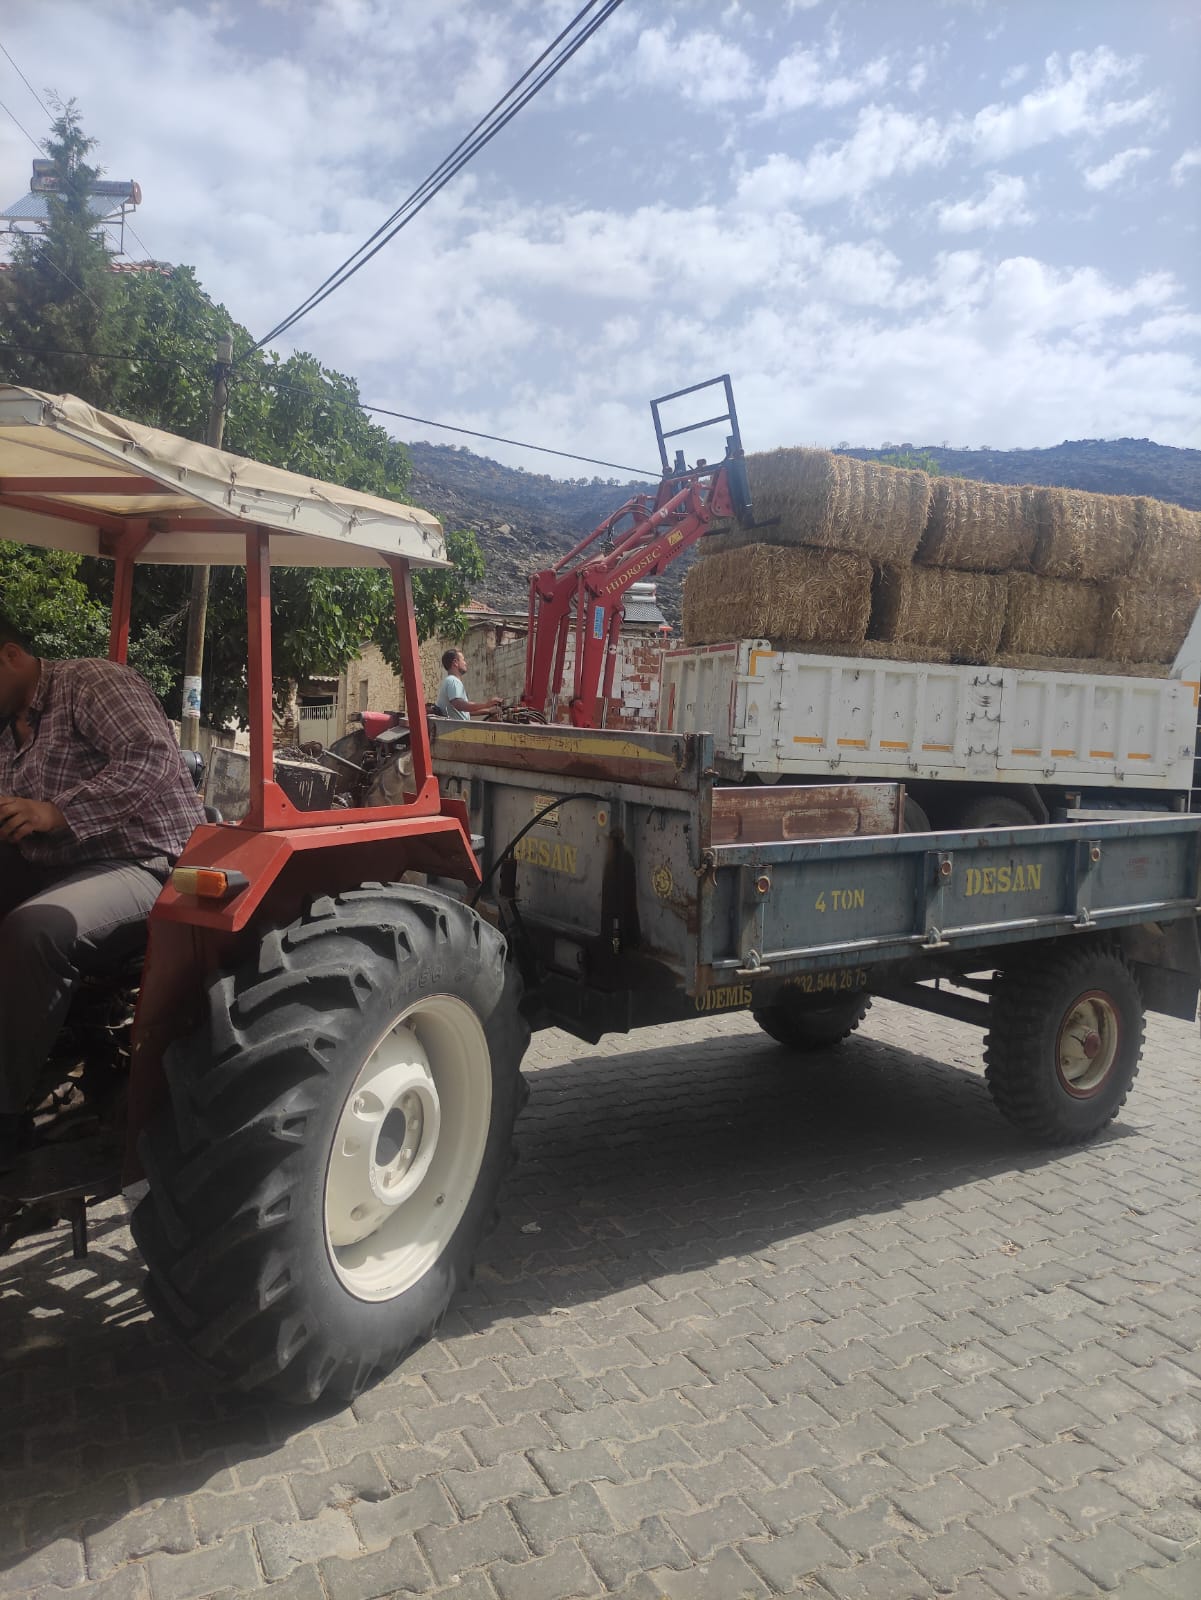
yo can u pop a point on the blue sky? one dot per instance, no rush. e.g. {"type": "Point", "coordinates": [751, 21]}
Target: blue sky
{"type": "Point", "coordinates": [925, 220]}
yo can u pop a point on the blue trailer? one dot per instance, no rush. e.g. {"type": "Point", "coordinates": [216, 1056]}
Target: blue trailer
{"type": "Point", "coordinates": [634, 888]}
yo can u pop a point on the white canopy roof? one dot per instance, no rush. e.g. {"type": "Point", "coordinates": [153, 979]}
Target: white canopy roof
{"type": "Point", "coordinates": [73, 478]}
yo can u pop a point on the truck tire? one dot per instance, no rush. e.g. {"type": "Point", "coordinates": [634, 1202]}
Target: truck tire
{"type": "Point", "coordinates": [996, 811]}
{"type": "Point", "coordinates": [915, 819]}
{"type": "Point", "coordinates": [798, 1026]}
{"type": "Point", "coordinates": [334, 1142]}
{"type": "Point", "coordinates": [1064, 1040]}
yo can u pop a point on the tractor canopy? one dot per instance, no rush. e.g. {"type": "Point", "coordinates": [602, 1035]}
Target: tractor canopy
{"type": "Point", "coordinates": [74, 478]}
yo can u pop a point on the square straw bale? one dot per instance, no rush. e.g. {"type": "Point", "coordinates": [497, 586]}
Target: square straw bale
{"type": "Point", "coordinates": [979, 527]}
{"type": "Point", "coordinates": [960, 612]}
{"type": "Point", "coordinates": [1092, 537]}
{"type": "Point", "coordinates": [1169, 542]}
{"type": "Point", "coordinates": [1146, 624]}
{"type": "Point", "coordinates": [1093, 667]}
{"type": "Point", "coordinates": [772, 592]}
{"type": "Point", "coordinates": [1051, 617]}
{"type": "Point", "coordinates": [839, 502]}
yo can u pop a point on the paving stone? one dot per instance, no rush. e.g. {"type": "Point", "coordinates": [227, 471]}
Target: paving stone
{"type": "Point", "coordinates": [228, 1565]}
{"type": "Point", "coordinates": [284, 1546]}
{"type": "Point", "coordinates": [164, 1527]}
{"type": "Point", "coordinates": [59, 1564]}
{"type": "Point", "coordinates": [547, 1521]}
{"type": "Point", "coordinates": [1107, 1554]}
{"type": "Point", "coordinates": [953, 1555]}
{"type": "Point", "coordinates": [559, 1576]}
{"type": "Point", "coordinates": [130, 1583]}
{"type": "Point", "coordinates": [399, 1568]}
{"type": "Point", "coordinates": [360, 1478]}
{"type": "Point", "coordinates": [617, 1557]}
{"type": "Point", "coordinates": [380, 1522]}
{"type": "Point", "coordinates": [560, 1469]}
{"type": "Point", "coordinates": [511, 1477]}
{"type": "Point", "coordinates": [787, 1560]}
{"type": "Point", "coordinates": [489, 1537]}
{"type": "Point", "coordinates": [861, 1533]}
{"type": "Point", "coordinates": [723, 1522]}
{"type": "Point", "coordinates": [629, 1503]}
{"type": "Point", "coordinates": [726, 1577]}
{"type": "Point", "coordinates": [215, 1515]}
{"type": "Point", "coordinates": [662, 1449]}
{"type": "Point", "coordinates": [885, 1577]}
{"type": "Point", "coordinates": [1028, 1526]}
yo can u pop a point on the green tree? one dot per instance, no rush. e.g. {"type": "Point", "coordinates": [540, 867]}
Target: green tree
{"type": "Point", "coordinates": [158, 331]}
{"type": "Point", "coordinates": [58, 287]}
{"type": "Point", "coordinates": [922, 460]}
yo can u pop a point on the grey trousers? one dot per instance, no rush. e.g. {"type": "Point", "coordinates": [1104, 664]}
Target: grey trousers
{"type": "Point", "coordinates": [56, 925]}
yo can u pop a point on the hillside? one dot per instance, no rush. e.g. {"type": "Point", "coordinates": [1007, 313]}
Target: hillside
{"type": "Point", "coordinates": [527, 520]}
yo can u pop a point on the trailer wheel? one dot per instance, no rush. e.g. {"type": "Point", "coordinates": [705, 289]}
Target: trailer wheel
{"type": "Point", "coordinates": [996, 811]}
{"type": "Point", "coordinates": [334, 1144]}
{"type": "Point", "coordinates": [798, 1026]}
{"type": "Point", "coordinates": [1064, 1040]}
{"type": "Point", "coordinates": [915, 818]}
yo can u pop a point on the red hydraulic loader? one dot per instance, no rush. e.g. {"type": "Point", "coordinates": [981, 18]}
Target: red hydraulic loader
{"type": "Point", "coordinates": [324, 1064]}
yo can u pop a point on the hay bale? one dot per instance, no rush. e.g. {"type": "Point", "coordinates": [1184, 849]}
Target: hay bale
{"type": "Point", "coordinates": [874, 650]}
{"type": "Point", "coordinates": [979, 527]}
{"type": "Point", "coordinates": [1081, 535]}
{"type": "Point", "coordinates": [1147, 624]}
{"type": "Point", "coordinates": [1169, 542]}
{"type": "Point", "coordinates": [1092, 667]}
{"type": "Point", "coordinates": [960, 612]}
{"type": "Point", "coordinates": [769, 592]}
{"type": "Point", "coordinates": [839, 502]}
{"type": "Point", "coordinates": [1051, 617]}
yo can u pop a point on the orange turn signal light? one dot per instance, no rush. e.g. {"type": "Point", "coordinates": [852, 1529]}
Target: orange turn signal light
{"type": "Point", "coordinates": [207, 883]}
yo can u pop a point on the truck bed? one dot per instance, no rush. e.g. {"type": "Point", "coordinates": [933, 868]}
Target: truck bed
{"type": "Point", "coordinates": [651, 890]}
{"type": "Point", "coordinates": [779, 713]}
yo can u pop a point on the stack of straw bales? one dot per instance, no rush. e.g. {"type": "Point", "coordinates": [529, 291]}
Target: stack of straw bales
{"type": "Point", "coordinates": [883, 561]}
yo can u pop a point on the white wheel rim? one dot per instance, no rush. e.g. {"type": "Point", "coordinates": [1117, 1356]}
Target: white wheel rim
{"type": "Point", "coordinates": [1088, 1042]}
{"type": "Point", "coordinates": [408, 1148]}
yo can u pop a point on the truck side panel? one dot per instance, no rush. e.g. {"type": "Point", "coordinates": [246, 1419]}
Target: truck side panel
{"type": "Point", "coordinates": [781, 713]}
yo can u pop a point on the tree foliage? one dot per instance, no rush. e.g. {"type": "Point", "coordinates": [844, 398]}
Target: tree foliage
{"type": "Point", "coordinates": [921, 460]}
{"type": "Point", "coordinates": [149, 340]}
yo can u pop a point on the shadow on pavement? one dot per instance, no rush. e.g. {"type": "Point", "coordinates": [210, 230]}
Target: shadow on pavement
{"type": "Point", "coordinates": [633, 1165]}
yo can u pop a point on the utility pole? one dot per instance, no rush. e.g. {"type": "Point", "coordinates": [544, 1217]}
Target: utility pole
{"type": "Point", "coordinates": [198, 605]}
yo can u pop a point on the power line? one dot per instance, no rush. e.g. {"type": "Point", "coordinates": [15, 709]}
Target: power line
{"type": "Point", "coordinates": [13, 116]}
{"type": "Point", "coordinates": [26, 82]}
{"type": "Point", "coordinates": [270, 381]}
{"type": "Point", "coordinates": [576, 34]}
{"type": "Point", "coordinates": [521, 444]}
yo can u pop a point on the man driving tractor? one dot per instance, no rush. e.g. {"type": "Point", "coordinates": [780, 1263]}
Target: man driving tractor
{"type": "Point", "coordinates": [95, 806]}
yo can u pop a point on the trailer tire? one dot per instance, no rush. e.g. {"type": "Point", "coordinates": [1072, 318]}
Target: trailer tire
{"type": "Point", "coordinates": [996, 811]}
{"type": "Point", "coordinates": [1064, 1040]}
{"type": "Point", "coordinates": [797, 1026]}
{"type": "Point", "coordinates": [915, 819]}
{"type": "Point", "coordinates": [335, 1140]}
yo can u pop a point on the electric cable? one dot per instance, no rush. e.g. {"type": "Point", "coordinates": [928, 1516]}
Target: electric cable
{"type": "Point", "coordinates": [26, 82]}
{"type": "Point", "coordinates": [508, 850]}
{"type": "Point", "coordinates": [490, 124]}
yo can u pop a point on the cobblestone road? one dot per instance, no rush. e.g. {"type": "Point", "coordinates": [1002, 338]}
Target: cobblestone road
{"type": "Point", "coordinates": [749, 1327]}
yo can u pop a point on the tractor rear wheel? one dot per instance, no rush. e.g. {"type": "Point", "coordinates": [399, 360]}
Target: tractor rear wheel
{"type": "Point", "coordinates": [334, 1144]}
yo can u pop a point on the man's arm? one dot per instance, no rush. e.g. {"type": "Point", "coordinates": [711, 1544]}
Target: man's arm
{"type": "Point", "coordinates": [474, 706]}
{"type": "Point", "coordinates": [118, 716]}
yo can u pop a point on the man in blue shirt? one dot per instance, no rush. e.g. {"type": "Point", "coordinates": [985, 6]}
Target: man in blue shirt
{"type": "Point", "coordinates": [452, 698]}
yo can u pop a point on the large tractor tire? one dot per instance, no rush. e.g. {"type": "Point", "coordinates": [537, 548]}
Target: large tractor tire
{"type": "Point", "coordinates": [802, 1026]}
{"type": "Point", "coordinates": [996, 811]}
{"type": "Point", "coordinates": [1064, 1040]}
{"type": "Point", "coordinates": [335, 1140]}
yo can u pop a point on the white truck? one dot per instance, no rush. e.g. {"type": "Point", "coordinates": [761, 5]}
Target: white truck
{"type": "Point", "coordinates": [975, 746]}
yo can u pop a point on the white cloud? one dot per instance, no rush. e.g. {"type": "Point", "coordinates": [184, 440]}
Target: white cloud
{"type": "Point", "coordinates": [798, 81]}
{"type": "Point", "coordinates": [1002, 205]}
{"type": "Point", "coordinates": [885, 142]}
{"type": "Point", "coordinates": [1185, 164]}
{"type": "Point", "coordinates": [1015, 75]}
{"type": "Point", "coordinates": [1116, 168]}
{"type": "Point", "coordinates": [1067, 102]}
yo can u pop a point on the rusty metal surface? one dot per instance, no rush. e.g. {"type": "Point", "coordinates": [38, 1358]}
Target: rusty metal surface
{"type": "Point", "coordinates": [661, 761]}
{"type": "Point", "coordinates": [821, 811]}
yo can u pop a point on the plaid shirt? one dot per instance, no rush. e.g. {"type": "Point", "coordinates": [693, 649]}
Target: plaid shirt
{"type": "Point", "coordinates": [103, 752]}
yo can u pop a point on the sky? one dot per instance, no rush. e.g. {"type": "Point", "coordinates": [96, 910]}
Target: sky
{"type": "Point", "coordinates": [971, 222]}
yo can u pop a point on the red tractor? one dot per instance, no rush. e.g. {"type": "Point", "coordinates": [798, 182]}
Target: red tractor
{"type": "Point", "coordinates": [324, 1065]}
{"type": "Point", "coordinates": [580, 597]}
